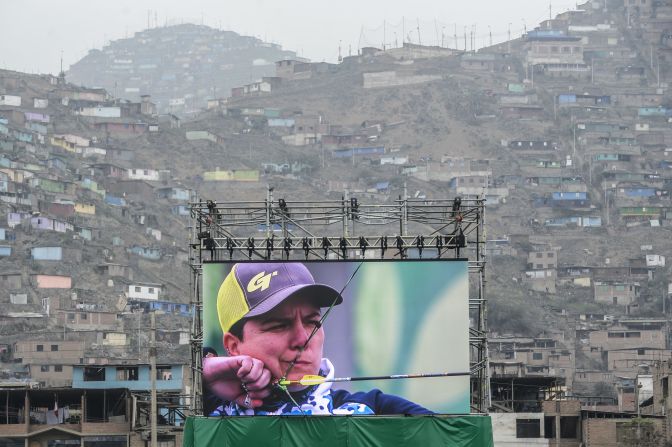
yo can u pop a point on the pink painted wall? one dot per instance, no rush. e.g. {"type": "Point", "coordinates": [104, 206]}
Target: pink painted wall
{"type": "Point", "coordinates": [53, 282]}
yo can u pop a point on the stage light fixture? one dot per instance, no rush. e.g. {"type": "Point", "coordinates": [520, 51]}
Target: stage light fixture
{"type": "Point", "coordinates": [326, 243]}
{"type": "Point", "coordinates": [420, 244]}
{"type": "Point", "coordinates": [461, 240]}
{"type": "Point", "coordinates": [270, 246]}
{"type": "Point", "coordinates": [250, 246]}
{"type": "Point", "coordinates": [354, 208]}
{"type": "Point", "coordinates": [400, 246]}
{"type": "Point", "coordinates": [209, 244]}
{"type": "Point", "coordinates": [383, 246]}
{"type": "Point", "coordinates": [363, 244]}
{"type": "Point", "coordinates": [203, 234]}
{"type": "Point", "coordinates": [287, 245]}
{"type": "Point", "coordinates": [229, 246]}
{"type": "Point", "coordinates": [343, 245]}
{"type": "Point", "coordinates": [305, 244]}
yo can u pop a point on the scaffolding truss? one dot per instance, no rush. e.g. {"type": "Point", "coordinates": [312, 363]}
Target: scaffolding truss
{"type": "Point", "coordinates": [284, 229]}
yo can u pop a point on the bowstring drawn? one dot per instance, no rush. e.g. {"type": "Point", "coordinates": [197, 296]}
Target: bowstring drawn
{"type": "Point", "coordinates": [312, 334]}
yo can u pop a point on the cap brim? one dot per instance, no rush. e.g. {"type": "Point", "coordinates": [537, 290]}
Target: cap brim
{"type": "Point", "coordinates": [322, 295]}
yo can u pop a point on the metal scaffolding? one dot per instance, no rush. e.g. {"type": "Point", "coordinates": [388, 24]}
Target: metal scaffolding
{"type": "Point", "coordinates": [284, 229]}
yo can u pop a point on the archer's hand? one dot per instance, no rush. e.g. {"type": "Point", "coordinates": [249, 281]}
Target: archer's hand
{"type": "Point", "coordinates": [226, 375]}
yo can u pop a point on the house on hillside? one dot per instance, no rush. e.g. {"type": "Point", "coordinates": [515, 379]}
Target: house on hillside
{"type": "Point", "coordinates": [144, 291]}
{"type": "Point", "coordinates": [621, 293]}
{"type": "Point", "coordinates": [112, 270]}
{"type": "Point", "coordinates": [174, 193]}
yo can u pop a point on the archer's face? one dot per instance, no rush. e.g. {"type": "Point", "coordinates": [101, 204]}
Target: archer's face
{"type": "Point", "coordinates": [276, 338]}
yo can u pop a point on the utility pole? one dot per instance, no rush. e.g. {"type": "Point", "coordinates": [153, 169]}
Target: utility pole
{"type": "Point", "coordinates": [152, 363]}
{"type": "Point", "coordinates": [384, 34]}
{"type": "Point", "coordinates": [456, 36]}
{"type": "Point", "coordinates": [465, 39]}
{"type": "Point", "coordinates": [419, 39]}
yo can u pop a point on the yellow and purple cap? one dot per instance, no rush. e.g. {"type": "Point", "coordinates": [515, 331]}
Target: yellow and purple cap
{"type": "Point", "coordinates": [252, 289]}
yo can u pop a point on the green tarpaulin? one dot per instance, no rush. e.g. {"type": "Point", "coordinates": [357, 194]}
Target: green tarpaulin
{"type": "Point", "coordinates": [327, 431]}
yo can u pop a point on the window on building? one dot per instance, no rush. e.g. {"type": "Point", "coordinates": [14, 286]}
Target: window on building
{"type": "Point", "coordinates": [71, 317]}
{"type": "Point", "coordinates": [665, 385]}
{"type": "Point", "coordinates": [641, 352]}
{"type": "Point", "coordinates": [528, 428]}
{"type": "Point", "coordinates": [44, 368]}
{"type": "Point", "coordinates": [39, 348]}
{"type": "Point", "coordinates": [569, 427]}
{"type": "Point", "coordinates": [537, 356]}
{"type": "Point", "coordinates": [633, 335]}
{"type": "Point", "coordinates": [164, 373]}
{"type": "Point", "coordinates": [150, 290]}
{"type": "Point", "coordinates": [127, 373]}
{"type": "Point", "coordinates": [58, 368]}
{"type": "Point", "coordinates": [550, 254]}
{"type": "Point", "coordinates": [94, 374]}
{"type": "Point", "coordinates": [137, 289]}
{"type": "Point", "coordinates": [54, 348]}
{"type": "Point", "coordinates": [165, 441]}
{"type": "Point", "coordinates": [84, 316]}
{"type": "Point", "coordinates": [539, 255]}
{"type": "Point", "coordinates": [539, 266]}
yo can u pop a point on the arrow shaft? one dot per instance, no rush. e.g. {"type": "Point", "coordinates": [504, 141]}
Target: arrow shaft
{"type": "Point", "coordinates": [311, 381]}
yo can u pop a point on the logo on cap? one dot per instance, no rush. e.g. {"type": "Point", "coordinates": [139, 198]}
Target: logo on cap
{"type": "Point", "coordinates": [260, 281]}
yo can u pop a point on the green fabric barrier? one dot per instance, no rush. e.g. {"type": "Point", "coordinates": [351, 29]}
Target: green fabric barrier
{"type": "Point", "coordinates": [328, 431]}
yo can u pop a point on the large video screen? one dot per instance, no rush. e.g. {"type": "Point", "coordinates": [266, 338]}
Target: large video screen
{"type": "Point", "coordinates": [392, 318]}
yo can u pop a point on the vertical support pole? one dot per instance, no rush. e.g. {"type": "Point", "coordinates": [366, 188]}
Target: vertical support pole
{"type": "Point", "coordinates": [404, 211]}
{"type": "Point", "coordinates": [269, 201]}
{"type": "Point", "coordinates": [345, 212]}
{"type": "Point", "coordinates": [152, 372]}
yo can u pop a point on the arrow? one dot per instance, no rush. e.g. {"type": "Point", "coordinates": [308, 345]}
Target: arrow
{"type": "Point", "coordinates": [309, 380]}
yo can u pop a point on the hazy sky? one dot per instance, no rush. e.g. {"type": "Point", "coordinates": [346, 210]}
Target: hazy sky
{"type": "Point", "coordinates": [34, 32]}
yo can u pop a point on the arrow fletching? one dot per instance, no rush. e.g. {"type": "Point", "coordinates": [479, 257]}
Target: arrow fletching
{"type": "Point", "coordinates": [305, 381]}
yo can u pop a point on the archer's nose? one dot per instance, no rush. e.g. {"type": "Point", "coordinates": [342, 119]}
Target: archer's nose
{"type": "Point", "coordinates": [299, 335]}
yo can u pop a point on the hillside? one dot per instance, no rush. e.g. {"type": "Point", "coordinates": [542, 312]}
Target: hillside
{"type": "Point", "coordinates": [180, 66]}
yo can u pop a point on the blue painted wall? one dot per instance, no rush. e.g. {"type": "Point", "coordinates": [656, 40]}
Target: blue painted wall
{"type": "Point", "coordinates": [142, 384]}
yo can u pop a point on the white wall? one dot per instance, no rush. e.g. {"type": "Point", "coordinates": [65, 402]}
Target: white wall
{"type": "Point", "coordinates": [504, 430]}
{"type": "Point", "coordinates": [102, 112]}
{"type": "Point", "coordinates": [143, 174]}
{"type": "Point", "coordinates": [9, 100]}
{"type": "Point", "coordinates": [143, 292]}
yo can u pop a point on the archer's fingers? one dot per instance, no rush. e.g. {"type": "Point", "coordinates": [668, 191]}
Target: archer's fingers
{"type": "Point", "coordinates": [255, 372]}
{"type": "Point", "coordinates": [261, 382]}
